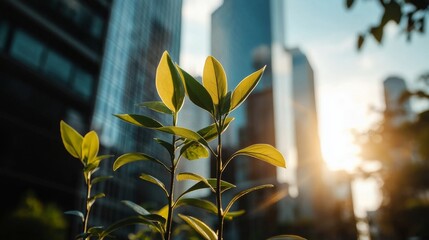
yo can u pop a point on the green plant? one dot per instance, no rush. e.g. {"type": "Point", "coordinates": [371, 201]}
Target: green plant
{"type": "Point", "coordinates": [86, 150]}
{"type": "Point", "coordinates": [173, 84]}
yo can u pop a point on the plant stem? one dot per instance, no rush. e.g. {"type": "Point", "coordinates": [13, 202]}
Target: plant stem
{"type": "Point", "coordinates": [171, 195]}
{"type": "Point", "coordinates": [218, 181]}
{"type": "Point", "coordinates": [88, 207]}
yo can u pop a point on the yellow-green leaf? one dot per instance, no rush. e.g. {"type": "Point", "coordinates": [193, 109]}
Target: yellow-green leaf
{"type": "Point", "coordinates": [154, 180]}
{"type": "Point", "coordinates": [194, 151]}
{"type": "Point", "coordinates": [231, 215]}
{"type": "Point", "coordinates": [139, 120]}
{"type": "Point", "coordinates": [193, 176]}
{"type": "Point", "coordinates": [169, 84]}
{"type": "Point", "coordinates": [196, 92]}
{"type": "Point", "coordinates": [196, 202]}
{"type": "Point", "coordinates": [163, 212]}
{"type": "Point", "coordinates": [244, 88]}
{"type": "Point", "coordinates": [264, 152]}
{"type": "Point", "coordinates": [100, 179]}
{"type": "Point", "coordinates": [90, 146]}
{"type": "Point", "coordinates": [200, 227]}
{"type": "Point", "coordinates": [210, 132]}
{"type": "Point", "coordinates": [244, 192]}
{"type": "Point", "coordinates": [214, 79]}
{"type": "Point", "coordinates": [72, 140]}
{"type": "Point", "coordinates": [133, 157]}
{"type": "Point", "coordinates": [157, 106]}
{"type": "Point", "coordinates": [185, 133]}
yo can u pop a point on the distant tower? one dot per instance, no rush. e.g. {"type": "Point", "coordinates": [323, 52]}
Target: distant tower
{"type": "Point", "coordinates": [138, 34]}
{"type": "Point", "coordinates": [398, 110]}
{"type": "Point", "coordinates": [281, 111]}
{"type": "Point", "coordinates": [310, 163]}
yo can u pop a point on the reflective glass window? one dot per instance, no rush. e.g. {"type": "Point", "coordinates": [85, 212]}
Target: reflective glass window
{"type": "Point", "coordinates": [57, 66]}
{"type": "Point", "coordinates": [26, 49]}
{"type": "Point", "coordinates": [83, 83]}
{"type": "Point", "coordinates": [3, 34]}
{"type": "Point", "coordinates": [96, 27]}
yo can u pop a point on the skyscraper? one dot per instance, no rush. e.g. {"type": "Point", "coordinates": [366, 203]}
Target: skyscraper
{"type": "Point", "coordinates": [139, 32]}
{"type": "Point", "coordinates": [398, 108]}
{"type": "Point", "coordinates": [247, 35]}
{"type": "Point", "coordinates": [50, 54]}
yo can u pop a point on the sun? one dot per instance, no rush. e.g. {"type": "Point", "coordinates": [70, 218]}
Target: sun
{"type": "Point", "coordinates": [338, 150]}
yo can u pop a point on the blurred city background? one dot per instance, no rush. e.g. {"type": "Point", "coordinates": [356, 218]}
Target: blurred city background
{"type": "Point", "coordinates": [344, 98]}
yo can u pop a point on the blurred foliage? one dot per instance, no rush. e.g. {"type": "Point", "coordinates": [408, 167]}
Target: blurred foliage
{"type": "Point", "coordinates": [34, 220]}
{"type": "Point", "coordinates": [403, 152]}
{"type": "Point", "coordinates": [409, 15]}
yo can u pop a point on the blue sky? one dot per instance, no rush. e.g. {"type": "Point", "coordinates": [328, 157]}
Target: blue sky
{"type": "Point", "coordinates": [348, 82]}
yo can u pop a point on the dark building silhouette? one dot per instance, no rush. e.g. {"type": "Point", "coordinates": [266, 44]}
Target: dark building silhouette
{"type": "Point", "coordinates": [50, 58]}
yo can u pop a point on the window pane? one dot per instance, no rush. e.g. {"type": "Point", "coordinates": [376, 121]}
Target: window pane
{"type": "Point", "coordinates": [96, 27]}
{"type": "Point", "coordinates": [26, 49]}
{"type": "Point", "coordinates": [83, 84]}
{"type": "Point", "coordinates": [57, 66]}
{"type": "Point", "coordinates": [3, 34]}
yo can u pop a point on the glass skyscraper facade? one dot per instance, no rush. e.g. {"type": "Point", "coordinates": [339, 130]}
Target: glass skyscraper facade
{"type": "Point", "coordinates": [139, 32]}
{"type": "Point", "coordinates": [50, 58]}
{"type": "Point", "coordinates": [247, 35]}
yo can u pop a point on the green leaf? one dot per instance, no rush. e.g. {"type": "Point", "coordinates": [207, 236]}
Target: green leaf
{"type": "Point", "coordinates": [286, 237]}
{"type": "Point", "coordinates": [100, 179]}
{"type": "Point", "coordinates": [196, 202]}
{"type": "Point", "coordinates": [97, 230]}
{"type": "Point", "coordinates": [91, 168]}
{"type": "Point", "coordinates": [264, 152]}
{"type": "Point", "coordinates": [169, 84]}
{"type": "Point", "coordinates": [244, 192]}
{"type": "Point", "coordinates": [168, 146]}
{"type": "Point", "coordinates": [163, 212]}
{"type": "Point", "coordinates": [195, 177]}
{"type": "Point", "coordinates": [244, 88]}
{"type": "Point", "coordinates": [231, 215]}
{"type": "Point", "coordinates": [75, 213]}
{"type": "Point", "coordinates": [185, 133]}
{"type": "Point", "coordinates": [200, 227]}
{"type": "Point", "coordinates": [139, 120]}
{"type": "Point", "coordinates": [92, 199]}
{"type": "Point", "coordinates": [377, 32]}
{"type": "Point", "coordinates": [137, 208]}
{"type": "Point", "coordinates": [349, 3]}
{"type": "Point", "coordinates": [133, 157]}
{"type": "Point", "coordinates": [225, 104]}
{"type": "Point", "coordinates": [156, 106]}
{"type": "Point", "coordinates": [360, 42]}
{"type": "Point", "coordinates": [151, 179]}
{"type": "Point", "coordinates": [212, 185]}
{"type": "Point", "coordinates": [72, 140]}
{"type": "Point", "coordinates": [214, 79]}
{"type": "Point", "coordinates": [143, 212]}
{"type": "Point", "coordinates": [196, 92]}
{"type": "Point", "coordinates": [83, 236]}
{"type": "Point", "coordinates": [126, 222]}
{"type": "Point", "coordinates": [90, 146]}
{"type": "Point", "coordinates": [210, 132]}
{"type": "Point", "coordinates": [194, 151]}
{"type": "Point", "coordinates": [393, 12]}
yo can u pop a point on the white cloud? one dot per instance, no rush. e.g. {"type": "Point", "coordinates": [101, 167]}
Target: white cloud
{"type": "Point", "coordinates": [198, 12]}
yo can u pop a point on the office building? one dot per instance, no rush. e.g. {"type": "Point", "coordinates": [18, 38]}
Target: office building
{"type": "Point", "coordinates": [397, 105]}
{"type": "Point", "coordinates": [139, 32]}
{"type": "Point", "coordinates": [247, 35]}
{"type": "Point", "coordinates": [50, 54]}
